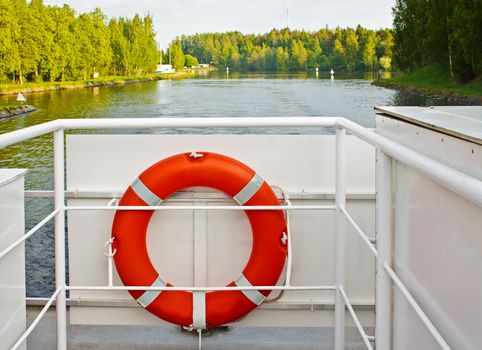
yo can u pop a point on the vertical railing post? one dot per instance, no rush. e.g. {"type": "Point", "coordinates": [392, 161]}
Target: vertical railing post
{"type": "Point", "coordinates": [383, 294]}
{"type": "Point", "coordinates": [59, 188]}
{"type": "Point", "coordinates": [200, 245]}
{"type": "Point", "coordinates": [340, 201]}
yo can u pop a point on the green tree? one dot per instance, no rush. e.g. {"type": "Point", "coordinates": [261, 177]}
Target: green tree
{"type": "Point", "coordinates": [28, 40]}
{"type": "Point", "coordinates": [282, 59]}
{"type": "Point", "coordinates": [41, 18]}
{"type": "Point", "coordinates": [177, 56]}
{"type": "Point", "coordinates": [385, 62]}
{"type": "Point", "coordinates": [62, 52]}
{"type": "Point", "coordinates": [351, 50]}
{"type": "Point", "coordinates": [446, 33]}
{"type": "Point", "coordinates": [41, 42]}
{"type": "Point", "coordinates": [190, 61]}
{"type": "Point", "coordinates": [466, 38]}
{"type": "Point", "coordinates": [9, 33]}
{"type": "Point", "coordinates": [341, 48]}
{"type": "Point", "coordinates": [369, 57]}
{"type": "Point", "coordinates": [93, 44]}
{"type": "Point", "coordinates": [133, 46]}
{"type": "Point", "coordinates": [299, 54]}
{"type": "Point", "coordinates": [339, 53]}
{"type": "Point", "coordinates": [120, 46]}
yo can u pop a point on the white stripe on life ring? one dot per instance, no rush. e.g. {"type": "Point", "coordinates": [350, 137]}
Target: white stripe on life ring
{"type": "Point", "coordinates": [199, 310]}
{"type": "Point", "coordinates": [249, 190]}
{"type": "Point", "coordinates": [254, 295]}
{"type": "Point", "coordinates": [145, 193]}
{"type": "Point", "coordinates": [150, 295]}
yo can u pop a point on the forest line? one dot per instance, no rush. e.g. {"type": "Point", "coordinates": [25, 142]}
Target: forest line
{"type": "Point", "coordinates": [50, 43]}
{"type": "Point", "coordinates": [346, 49]}
{"type": "Point", "coordinates": [40, 43]}
{"type": "Point", "coordinates": [445, 33]}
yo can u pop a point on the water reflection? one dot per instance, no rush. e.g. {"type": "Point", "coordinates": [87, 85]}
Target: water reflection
{"type": "Point", "coordinates": [310, 74]}
{"type": "Point", "coordinates": [212, 94]}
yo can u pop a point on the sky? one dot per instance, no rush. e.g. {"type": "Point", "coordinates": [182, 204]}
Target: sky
{"type": "Point", "coordinates": [176, 17]}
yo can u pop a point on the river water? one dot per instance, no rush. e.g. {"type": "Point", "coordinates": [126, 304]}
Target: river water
{"type": "Point", "coordinates": [214, 94]}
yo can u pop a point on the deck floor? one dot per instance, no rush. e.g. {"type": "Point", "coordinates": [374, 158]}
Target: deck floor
{"type": "Point", "coordinates": [172, 338]}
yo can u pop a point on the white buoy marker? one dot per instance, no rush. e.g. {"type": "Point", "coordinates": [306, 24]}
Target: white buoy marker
{"type": "Point", "coordinates": [21, 98]}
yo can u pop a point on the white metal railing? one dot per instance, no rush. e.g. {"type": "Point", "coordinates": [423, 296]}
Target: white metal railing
{"type": "Point", "coordinates": [387, 151]}
{"type": "Point", "coordinates": [29, 233]}
{"type": "Point", "coordinates": [197, 207]}
{"type": "Point", "coordinates": [37, 319]}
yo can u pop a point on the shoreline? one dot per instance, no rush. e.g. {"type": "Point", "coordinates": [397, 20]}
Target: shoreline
{"type": "Point", "coordinates": [13, 111]}
{"type": "Point", "coordinates": [12, 89]}
{"type": "Point", "coordinates": [447, 95]}
{"type": "Point", "coordinates": [436, 82]}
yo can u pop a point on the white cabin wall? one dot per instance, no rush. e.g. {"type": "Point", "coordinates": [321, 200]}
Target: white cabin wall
{"type": "Point", "coordinates": [437, 242]}
{"type": "Point", "coordinates": [12, 265]}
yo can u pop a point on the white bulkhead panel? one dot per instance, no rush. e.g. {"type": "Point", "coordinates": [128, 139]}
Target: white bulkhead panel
{"type": "Point", "coordinates": [303, 165]}
{"type": "Point", "coordinates": [12, 265]}
{"type": "Point", "coordinates": [437, 236]}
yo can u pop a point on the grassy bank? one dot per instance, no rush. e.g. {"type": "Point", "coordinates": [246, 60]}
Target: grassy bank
{"type": "Point", "coordinates": [7, 89]}
{"type": "Point", "coordinates": [435, 81]}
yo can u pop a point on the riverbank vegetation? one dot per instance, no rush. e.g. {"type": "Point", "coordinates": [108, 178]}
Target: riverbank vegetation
{"type": "Point", "coordinates": [438, 42]}
{"type": "Point", "coordinates": [348, 49]}
{"type": "Point", "coordinates": [42, 43]}
{"type": "Point", "coordinates": [11, 88]}
{"type": "Point", "coordinates": [437, 81]}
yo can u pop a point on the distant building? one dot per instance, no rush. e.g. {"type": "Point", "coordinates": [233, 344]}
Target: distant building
{"type": "Point", "coordinates": [201, 65]}
{"type": "Point", "coordinates": [95, 75]}
{"type": "Point", "coordinates": [164, 68]}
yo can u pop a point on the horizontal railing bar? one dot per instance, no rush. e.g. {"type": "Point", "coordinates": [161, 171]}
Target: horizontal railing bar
{"type": "Point", "coordinates": [418, 310]}
{"type": "Point", "coordinates": [464, 185]}
{"type": "Point", "coordinates": [16, 136]}
{"type": "Point", "coordinates": [184, 195]}
{"type": "Point", "coordinates": [358, 230]}
{"type": "Point", "coordinates": [29, 233]}
{"type": "Point", "coordinates": [200, 289]}
{"type": "Point", "coordinates": [200, 122]}
{"type": "Point", "coordinates": [130, 303]}
{"type": "Point", "coordinates": [13, 137]}
{"type": "Point", "coordinates": [204, 207]}
{"type": "Point", "coordinates": [37, 320]}
{"type": "Point", "coordinates": [355, 318]}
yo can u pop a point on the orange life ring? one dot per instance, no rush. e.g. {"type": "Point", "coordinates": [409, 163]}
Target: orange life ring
{"type": "Point", "coordinates": [225, 174]}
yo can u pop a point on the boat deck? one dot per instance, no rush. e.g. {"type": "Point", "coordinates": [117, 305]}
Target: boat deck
{"type": "Point", "coordinates": [172, 338]}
